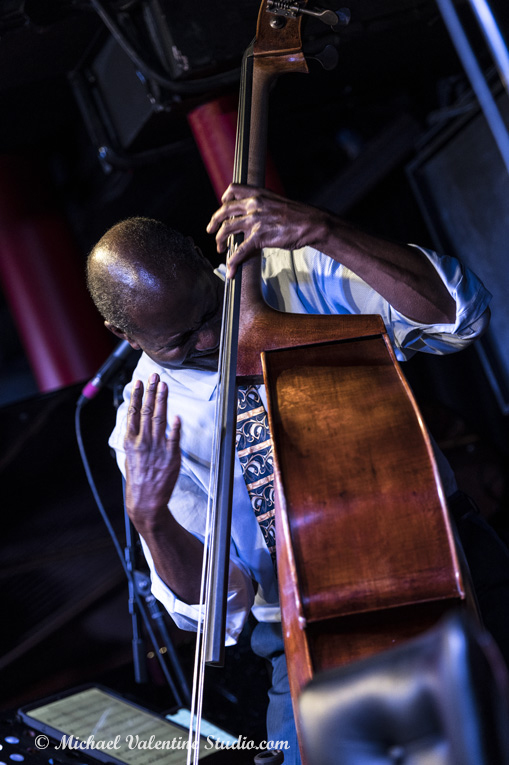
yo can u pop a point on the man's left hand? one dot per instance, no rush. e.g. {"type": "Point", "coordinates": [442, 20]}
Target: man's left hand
{"type": "Point", "coordinates": [265, 219]}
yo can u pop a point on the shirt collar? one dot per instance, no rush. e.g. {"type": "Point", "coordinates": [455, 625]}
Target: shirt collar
{"type": "Point", "coordinates": [202, 383]}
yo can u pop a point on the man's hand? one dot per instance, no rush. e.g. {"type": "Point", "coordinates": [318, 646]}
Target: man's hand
{"type": "Point", "coordinates": [400, 273]}
{"type": "Point", "coordinates": [153, 460]}
{"type": "Point", "coordinates": [266, 220]}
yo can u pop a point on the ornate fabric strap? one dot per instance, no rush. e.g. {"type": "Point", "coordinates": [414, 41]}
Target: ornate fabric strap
{"type": "Point", "coordinates": [254, 449]}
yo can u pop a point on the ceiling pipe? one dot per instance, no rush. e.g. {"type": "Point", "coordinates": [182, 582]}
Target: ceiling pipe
{"type": "Point", "coordinates": [214, 127]}
{"type": "Point", "coordinates": [44, 286]}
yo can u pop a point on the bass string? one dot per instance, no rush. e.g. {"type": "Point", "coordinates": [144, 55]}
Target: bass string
{"type": "Point", "coordinates": [209, 552]}
{"type": "Point", "coordinates": [224, 369]}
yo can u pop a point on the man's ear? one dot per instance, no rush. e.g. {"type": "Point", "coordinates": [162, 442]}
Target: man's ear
{"type": "Point", "coordinates": [121, 335]}
{"type": "Point", "coordinates": [206, 261]}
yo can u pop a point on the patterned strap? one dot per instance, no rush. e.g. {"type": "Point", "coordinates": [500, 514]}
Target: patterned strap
{"type": "Point", "coordinates": [254, 449]}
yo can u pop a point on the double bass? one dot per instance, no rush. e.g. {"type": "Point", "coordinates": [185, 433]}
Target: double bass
{"type": "Point", "coordinates": [366, 555]}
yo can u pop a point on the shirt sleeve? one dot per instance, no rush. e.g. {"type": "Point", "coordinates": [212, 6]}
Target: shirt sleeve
{"type": "Point", "coordinates": [188, 506]}
{"type": "Point", "coordinates": [308, 281]}
{"type": "Point", "coordinates": [472, 313]}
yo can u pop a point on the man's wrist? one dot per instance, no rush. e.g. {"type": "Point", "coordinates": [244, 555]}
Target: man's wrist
{"type": "Point", "coordinates": [149, 520]}
{"type": "Point", "coordinates": [324, 228]}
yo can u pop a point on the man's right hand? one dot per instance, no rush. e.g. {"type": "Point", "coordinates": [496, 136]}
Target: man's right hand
{"type": "Point", "coordinates": [152, 458]}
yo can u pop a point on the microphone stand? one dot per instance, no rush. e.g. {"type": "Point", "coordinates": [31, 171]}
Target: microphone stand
{"type": "Point", "coordinates": [138, 642]}
{"type": "Point", "coordinates": [139, 587]}
{"type": "Point", "coordinates": [142, 584]}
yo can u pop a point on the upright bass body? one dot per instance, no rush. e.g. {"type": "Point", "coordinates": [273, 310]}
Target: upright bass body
{"type": "Point", "coordinates": [366, 555]}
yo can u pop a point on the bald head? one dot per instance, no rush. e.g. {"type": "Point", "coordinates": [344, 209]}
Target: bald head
{"type": "Point", "coordinates": [136, 261]}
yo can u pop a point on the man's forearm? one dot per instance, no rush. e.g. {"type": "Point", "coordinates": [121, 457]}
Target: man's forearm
{"type": "Point", "coordinates": [176, 553]}
{"type": "Point", "coordinates": [400, 273]}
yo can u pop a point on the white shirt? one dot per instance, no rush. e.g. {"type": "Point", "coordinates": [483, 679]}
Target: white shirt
{"type": "Point", "coordinates": [302, 281]}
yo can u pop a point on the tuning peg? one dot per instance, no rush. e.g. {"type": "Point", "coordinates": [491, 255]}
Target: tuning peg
{"type": "Point", "coordinates": [344, 15]}
{"type": "Point", "coordinates": [322, 14]}
{"type": "Point", "coordinates": [332, 18]}
{"type": "Point", "coordinates": [328, 57]}
{"type": "Point", "coordinates": [291, 9]}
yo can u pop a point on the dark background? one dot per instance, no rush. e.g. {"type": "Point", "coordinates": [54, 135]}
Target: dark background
{"type": "Point", "coordinates": [85, 140]}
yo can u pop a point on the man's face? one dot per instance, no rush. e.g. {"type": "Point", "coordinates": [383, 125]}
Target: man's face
{"type": "Point", "coordinates": [181, 326]}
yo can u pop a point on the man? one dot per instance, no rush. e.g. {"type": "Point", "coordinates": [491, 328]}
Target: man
{"type": "Point", "coordinates": [156, 290]}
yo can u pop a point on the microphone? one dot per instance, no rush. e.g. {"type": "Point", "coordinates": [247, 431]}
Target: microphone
{"type": "Point", "coordinates": [114, 361]}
